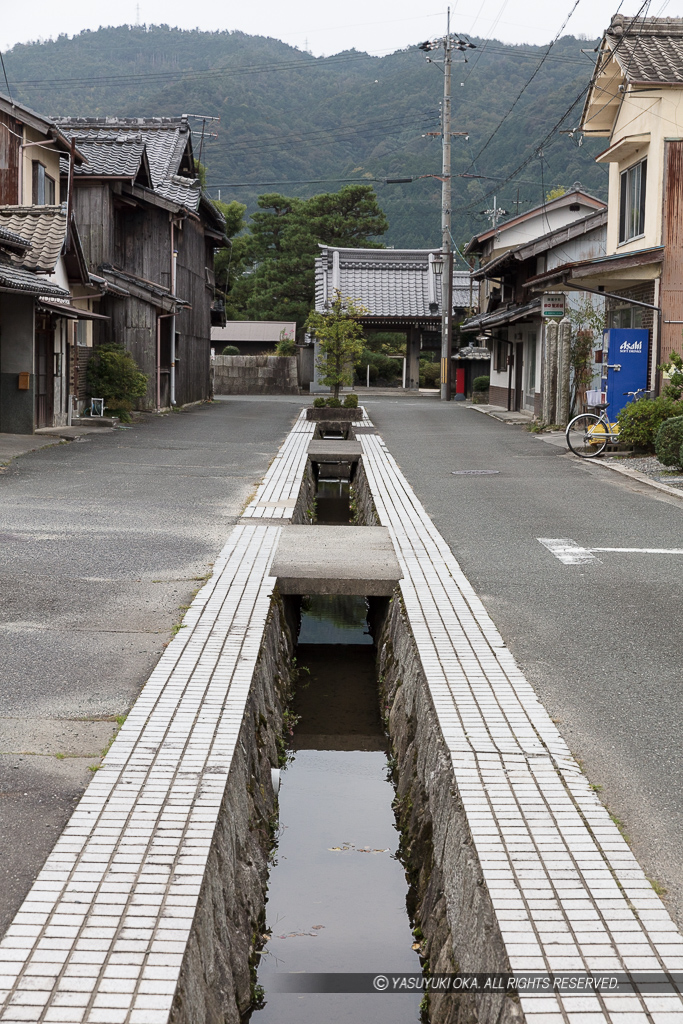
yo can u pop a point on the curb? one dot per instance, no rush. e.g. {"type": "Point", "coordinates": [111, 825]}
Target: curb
{"type": "Point", "coordinates": [635, 474]}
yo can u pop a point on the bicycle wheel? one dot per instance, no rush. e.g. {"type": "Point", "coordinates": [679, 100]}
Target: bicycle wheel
{"type": "Point", "coordinates": [587, 435]}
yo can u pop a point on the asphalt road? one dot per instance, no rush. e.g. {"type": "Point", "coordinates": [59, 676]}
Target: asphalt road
{"type": "Point", "coordinates": [101, 542]}
{"type": "Point", "coordinates": [600, 642]}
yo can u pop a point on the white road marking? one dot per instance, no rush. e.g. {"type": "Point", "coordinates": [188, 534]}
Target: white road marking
{"type": "Point", "coordinates": [644, 551]}
{"type": "Point", "coordinates": [571, 553]}
{"type": "Point", "coordinates": [568, 551]}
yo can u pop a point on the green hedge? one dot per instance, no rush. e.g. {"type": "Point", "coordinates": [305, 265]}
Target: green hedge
{"type": "Point", "coordinates": [669, 442]}
{"type": "Point", "coordinates": [639, 421]}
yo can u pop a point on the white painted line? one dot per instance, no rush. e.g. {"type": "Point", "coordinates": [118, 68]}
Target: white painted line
{"type": "Point", "coordinates": [568, 551]}
{"type": "Point", "coordinates": [644, 551]}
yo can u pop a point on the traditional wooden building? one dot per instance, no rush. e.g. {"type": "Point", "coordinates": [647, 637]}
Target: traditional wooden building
{"type": "Point", "coordinates": [149, 234]}
{"type": "Point", "coordinates": [40, 261]}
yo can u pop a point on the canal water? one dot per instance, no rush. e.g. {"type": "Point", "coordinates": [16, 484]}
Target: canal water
{"type": "Point", "coordinates": [332, 503]}
{"type": "Point", "coordinates": [337, 893]}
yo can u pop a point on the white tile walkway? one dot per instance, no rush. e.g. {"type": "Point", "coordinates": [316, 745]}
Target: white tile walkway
{"type": "Point", "coordinates": [101, 936]}
{"type": "Point", "coordinates": [568, 893]}
{"type": "Point", "coordinates": [102, 933]}
{"type": "Point", "coordinates": [276, 496]}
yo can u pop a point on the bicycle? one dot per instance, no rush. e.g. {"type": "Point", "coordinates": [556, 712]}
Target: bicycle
{"type": "Point", "coordinates": [589, 434]}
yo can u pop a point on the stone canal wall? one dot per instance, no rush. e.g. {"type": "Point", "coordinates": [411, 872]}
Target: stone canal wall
{"type": "Point", "coordinates": [215, 983]}
{"type": "Point", "coordinates": [448, 900]}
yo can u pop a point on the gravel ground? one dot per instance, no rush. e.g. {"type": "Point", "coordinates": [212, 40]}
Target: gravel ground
{"type": "Point", "coordinates": [650, 466]}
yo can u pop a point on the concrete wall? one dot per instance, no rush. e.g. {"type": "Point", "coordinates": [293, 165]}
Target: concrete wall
{"type": "Point", "coordinates": [255, 375]}
{"type": "Point", "coordinates": [16, 356]}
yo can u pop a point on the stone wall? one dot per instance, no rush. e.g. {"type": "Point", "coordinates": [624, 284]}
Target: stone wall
{"type": "Point", "coordinates": [215, 985]}
{"type": "Point", "coordinates": [255, 375]}
{"type": "Point", "coordinates": [448, 899]}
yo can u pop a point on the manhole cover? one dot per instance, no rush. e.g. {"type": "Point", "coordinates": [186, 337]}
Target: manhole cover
{"type": "Point", "coordinates": [475, 472]}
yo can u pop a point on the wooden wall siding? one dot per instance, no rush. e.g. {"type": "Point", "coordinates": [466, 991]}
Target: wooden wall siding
{"type": "Point", "coordinates": [138, 241]}
{"type": "Point", "coordinates": [9, 161]}
{"type": "Point", "coordinates": [671, 295]}
{"type": "Point", "coordinates": [93, 210]}
{"type": "Point", "coordinates": [193, 325]}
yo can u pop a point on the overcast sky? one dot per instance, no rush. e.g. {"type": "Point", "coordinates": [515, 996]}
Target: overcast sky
{"type": "Point", "coordinates": [377, 26]}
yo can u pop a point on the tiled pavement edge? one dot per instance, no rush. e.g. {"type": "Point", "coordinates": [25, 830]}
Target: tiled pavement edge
{"type": "Point", "coordinates": [568, 893]}
{"type": "Point", "coordinates": [276, 496]}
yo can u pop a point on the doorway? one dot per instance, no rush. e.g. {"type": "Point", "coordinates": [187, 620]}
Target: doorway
{"type": "Point", "coordinates": [45, 387]}
{"type": "Point", "coordinates": [530, 371]}
{"type": "Point", "coordinates": [519, 376]}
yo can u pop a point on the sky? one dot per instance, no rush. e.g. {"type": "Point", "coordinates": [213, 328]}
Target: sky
{"type": "Point", "coordinates": [376, 26]}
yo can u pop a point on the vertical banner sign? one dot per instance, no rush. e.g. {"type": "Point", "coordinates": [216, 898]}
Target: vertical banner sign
{"type": "Point", "coordinates": [552, 305]}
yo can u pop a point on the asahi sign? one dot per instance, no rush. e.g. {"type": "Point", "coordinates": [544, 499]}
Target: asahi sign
{"type": "Point", "coordinates": [552, 305]}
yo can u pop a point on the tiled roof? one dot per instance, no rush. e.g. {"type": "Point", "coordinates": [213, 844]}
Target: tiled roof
{"type": "Point", "coordinates": [117, 146]}
{"type": "Point", "coordinates": [388, 282]}
{"type": "Point", "coordinates": [15, 279]}
{"type": "Point", "coordinates": [184, 191]}
{"type": "Point", "coordinates": [15, 241]}
{"type": "Point", "coordinates": [647, 49]}
{"type": "Point", "coordinates": [120, 157]}
{"type": "Point", "coordinates": [44, 227]}
{"type": "Point", "coordinates": [166, 140]}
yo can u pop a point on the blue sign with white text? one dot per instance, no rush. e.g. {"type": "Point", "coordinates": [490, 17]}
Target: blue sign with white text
{"type": "Point", "coordinates": [626, 356]}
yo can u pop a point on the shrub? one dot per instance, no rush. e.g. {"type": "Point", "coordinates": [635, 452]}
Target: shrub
{"type": "Point", "coordinates": [113, 375]}
{"type": "Point", "coordinates": [285, 347]}
{"type": "Point", "coordinates": [380, 366]}
{"type": "Point", "coordinates": [319, 403]}
{"type": "Point", "coordinates": [351, 402]}
{"type": "Point", "coordinates": [333, 403]}
{"type": "Point", "coordinates": [430, 374]}
{"type": "Point", "coordinates": [231, 350]}
{"type": "Point", "coordinates": [669, 441]}
{"type": "Point", "coordinates": [481, 383]}
{"type": "Point", "coordinates": [639, 421]}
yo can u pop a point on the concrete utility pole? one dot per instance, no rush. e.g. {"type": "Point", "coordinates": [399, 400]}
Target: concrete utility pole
{"type": "Point", "coordinates": [448, 43]}
{"type": "Point", "coordinates": [447, 279]}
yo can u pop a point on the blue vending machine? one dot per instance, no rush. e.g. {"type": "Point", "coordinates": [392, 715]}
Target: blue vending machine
{"type": "Point", "coordinates": [625, 361]}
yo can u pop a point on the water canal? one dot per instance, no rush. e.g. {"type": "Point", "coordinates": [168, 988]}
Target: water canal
{"type": "Point", "coordinates": [337, 892]}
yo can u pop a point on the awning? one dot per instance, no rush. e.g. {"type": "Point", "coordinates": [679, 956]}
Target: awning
{"type": "Point", "coordinates": [499, 317]}
{"type": "Point", "coordinates": [68, 311]}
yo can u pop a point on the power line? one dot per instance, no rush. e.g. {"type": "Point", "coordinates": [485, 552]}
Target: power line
{"type": "Point", "coordinates": [313, 63]}
{"type": "Point", "coordinates": [526, 84]}
{"type": "Point", "coordinates": [4, 71]}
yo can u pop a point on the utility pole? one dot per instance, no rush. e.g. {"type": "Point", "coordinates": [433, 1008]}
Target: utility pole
{"type": "Point", "coordinates": [447, 279]}
{"type": "Point", "coordinates": [448, 43]}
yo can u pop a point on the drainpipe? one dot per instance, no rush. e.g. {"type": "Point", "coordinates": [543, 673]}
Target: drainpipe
{"type": "Point", "coordinates": [174, 260]}
{"type": "Point", "coordinates": [634, 302]}
{"type": "Point", "coordinates": [160, 317]}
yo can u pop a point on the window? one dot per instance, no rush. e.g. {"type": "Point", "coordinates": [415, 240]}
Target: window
{"type": "Point", "coordinates": [44, 191]}
{"type": "Point", "coordinates": [632, 202]}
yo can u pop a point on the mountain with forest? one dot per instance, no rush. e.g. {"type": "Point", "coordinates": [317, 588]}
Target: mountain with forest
{"type": "Point", "coordinates": [270, 118]}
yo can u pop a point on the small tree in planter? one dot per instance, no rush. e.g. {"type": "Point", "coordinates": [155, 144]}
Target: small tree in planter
{"type": "Point", "coordinates": [341, 341]}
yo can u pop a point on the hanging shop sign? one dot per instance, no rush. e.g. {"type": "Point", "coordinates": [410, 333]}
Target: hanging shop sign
{"type": "Point", "coordinates": [552, 305]}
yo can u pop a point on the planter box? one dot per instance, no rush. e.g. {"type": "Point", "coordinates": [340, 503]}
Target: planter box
{"type": "Point", "coordinates": [331, 415]}
{"type": "Point", "coordinates": [480, 398]}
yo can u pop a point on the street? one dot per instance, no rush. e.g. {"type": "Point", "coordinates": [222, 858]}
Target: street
{"type": "Point", "coordinates": [102, 541]}
{"type": "Point", "coordinates": [598, 641]}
